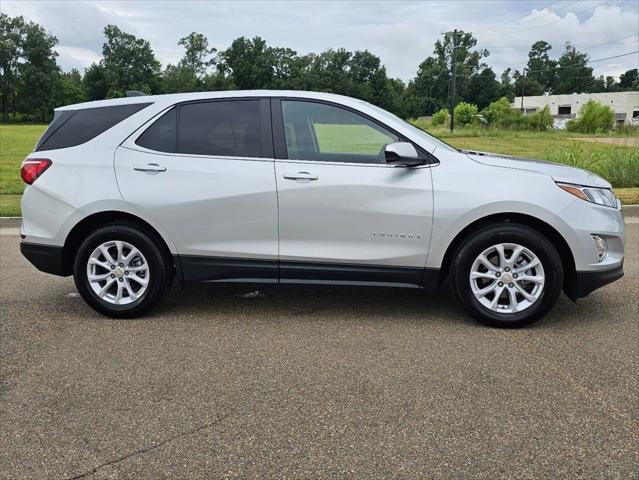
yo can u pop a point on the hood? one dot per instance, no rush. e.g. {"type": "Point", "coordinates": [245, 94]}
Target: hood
{"type": "Point", "coordinates": [559, 172]}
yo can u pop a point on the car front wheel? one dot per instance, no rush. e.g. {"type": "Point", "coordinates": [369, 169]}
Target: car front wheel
{"type": "Point", "coordinates": [507, 275]}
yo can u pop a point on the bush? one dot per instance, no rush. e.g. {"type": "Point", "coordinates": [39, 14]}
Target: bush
{"type": "Point", "coordinates": [466, 114]}
{"type": "Point", "coordinates": [541, 120]}
{"type": "Point", "coordinates": [501, 114]}
{"type": "Point", "coordinates": [593, 117]}
{"type": "Point", "coordinates": [441, 118]}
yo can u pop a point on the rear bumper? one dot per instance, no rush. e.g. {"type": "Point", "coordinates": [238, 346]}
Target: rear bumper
{"type": "Point", "coordinates": [587, 282]}
{"type": "Point", "coordinates": [46, 258]}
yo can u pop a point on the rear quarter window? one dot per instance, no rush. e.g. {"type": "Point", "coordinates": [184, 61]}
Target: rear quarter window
{"type": "Point", "coordinates": [75, 127]}
{"type": "Point", "coordinates": [162, 134]}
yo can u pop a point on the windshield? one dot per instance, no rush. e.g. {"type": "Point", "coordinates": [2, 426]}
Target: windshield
{"type": "Point", "coordinates": [417, 131]}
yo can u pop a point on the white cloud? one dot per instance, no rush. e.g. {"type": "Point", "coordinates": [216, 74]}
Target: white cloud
{"type": "Point", "coordinates": [400, 33]}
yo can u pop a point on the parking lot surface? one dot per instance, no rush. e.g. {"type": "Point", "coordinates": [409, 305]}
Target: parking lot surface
{"type": "Point", "coordinates": [313, 382]}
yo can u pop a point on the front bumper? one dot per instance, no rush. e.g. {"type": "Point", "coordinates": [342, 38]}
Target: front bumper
{"type": "Point", "coordinates": [586, 282]}
{"type": "Point", "coordinates": [46, 258]}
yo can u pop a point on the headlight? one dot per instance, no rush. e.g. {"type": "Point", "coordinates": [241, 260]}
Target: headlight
{"type": "Point", "coordinates": [600, 196]}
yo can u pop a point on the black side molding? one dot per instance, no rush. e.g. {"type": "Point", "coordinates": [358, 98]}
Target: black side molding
{"type": "Point", "coordinates": [194, 268]}
{"type": "Point", "coordinates": [46, 258]}
{"type": "Point", "coordinates": [587, 282]}
{"type": "Point", "coordinates": [197, 268]}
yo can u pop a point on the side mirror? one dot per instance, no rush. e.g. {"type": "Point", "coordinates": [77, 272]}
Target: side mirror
{"type": "Point", "coordinates": [403, 154]}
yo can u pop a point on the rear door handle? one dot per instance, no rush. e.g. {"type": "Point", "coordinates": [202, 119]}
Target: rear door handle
{"type": "Point", "coordinates": [300, 176]}
{"type": "Point", "coordinates": [150, 168]}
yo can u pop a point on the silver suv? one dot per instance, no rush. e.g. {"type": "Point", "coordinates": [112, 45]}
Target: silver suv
{"type": "Point", "coordinates": [301, 187]}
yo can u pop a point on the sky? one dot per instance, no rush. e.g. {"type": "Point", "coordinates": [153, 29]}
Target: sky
{"type": "Point", "coordinates": [401, 33]}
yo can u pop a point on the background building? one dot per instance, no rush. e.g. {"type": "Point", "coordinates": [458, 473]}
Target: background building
{"type": "Point", "coordinates": [564, 107]}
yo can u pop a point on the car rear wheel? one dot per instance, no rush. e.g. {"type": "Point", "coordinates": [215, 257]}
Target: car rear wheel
{"type": "Point", "coordinates": [121, 272]}
{"type": "Point", "coordinates": [507, 275]}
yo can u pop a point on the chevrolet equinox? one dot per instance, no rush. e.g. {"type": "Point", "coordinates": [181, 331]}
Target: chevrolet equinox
{"type": "Point", "coordinates": [300, 187]}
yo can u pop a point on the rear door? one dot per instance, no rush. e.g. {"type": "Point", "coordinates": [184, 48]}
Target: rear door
{"type": "Point", "coordinates": [204, 171]}
{"type": "Point", "coordinates": [344, 214]}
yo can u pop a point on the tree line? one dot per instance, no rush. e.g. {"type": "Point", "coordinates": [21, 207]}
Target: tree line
{"type": "Point", "coordinates": [32, 84]}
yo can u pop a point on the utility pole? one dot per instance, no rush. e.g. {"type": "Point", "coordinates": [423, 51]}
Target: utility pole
{"type": "Point", "coordinates": [523, 82]}
{"type": "Point", "coordinates": [453, 92]}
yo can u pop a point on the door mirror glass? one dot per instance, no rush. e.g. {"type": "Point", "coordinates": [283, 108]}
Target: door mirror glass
{"type": "Point", "coordinates": [402, 153]}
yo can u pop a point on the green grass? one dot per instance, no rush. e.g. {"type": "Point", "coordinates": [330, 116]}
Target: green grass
{"type": "Point", "coordinates": [10, 205]}
{"type": "Point", "coordinates": [359, 139]}
{"type": "Point", "coordinates": [619, 165]}
{"type": "Point", "coordinates": [16, 142]}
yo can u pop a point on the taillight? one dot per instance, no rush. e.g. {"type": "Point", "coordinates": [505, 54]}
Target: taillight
{"type": "Point", "coordinates": [32, 168]}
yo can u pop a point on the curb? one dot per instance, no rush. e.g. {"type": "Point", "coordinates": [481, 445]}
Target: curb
{"type": "Point", "coordinates": [14, 222]}
{"type": "Point", "coordinates": [630, 210]}
{"type": "Point", "coordinates": [10, 222]}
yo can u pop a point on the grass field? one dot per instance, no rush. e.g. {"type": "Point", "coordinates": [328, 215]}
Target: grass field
{"type": "Point", "coordinates": [618, 164]}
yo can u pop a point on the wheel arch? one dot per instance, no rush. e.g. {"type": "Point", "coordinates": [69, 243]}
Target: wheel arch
{"type": "Point", "coordinates": [560, 243]}
{"type": "Point", "coordinates": [89, 223]}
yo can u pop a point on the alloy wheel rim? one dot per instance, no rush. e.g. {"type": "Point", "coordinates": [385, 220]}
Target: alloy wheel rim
{"type": "Point", "coordinates": [118, 273]}
{"type": "Point", "coordinates": [507, 278]}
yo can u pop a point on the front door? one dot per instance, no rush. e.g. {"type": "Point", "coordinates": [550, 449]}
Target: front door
{"type": "Point", "coordinates": [344, 214]}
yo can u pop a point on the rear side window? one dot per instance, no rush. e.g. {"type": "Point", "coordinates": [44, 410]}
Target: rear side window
{"type": "Point", "coordinates": [223, 128]}
{"type": "Point", "coordinates": [162, 134]}
{"type": "Point", "coordinates": [75, 127]}
{"type": "Point", "coordinates": [228, 128]}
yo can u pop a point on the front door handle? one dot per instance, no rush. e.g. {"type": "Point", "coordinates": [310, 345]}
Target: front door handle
{"type": "Point", "coordinates": [150, 168]}
{"type": "Point", "coordinates": [300, 176]}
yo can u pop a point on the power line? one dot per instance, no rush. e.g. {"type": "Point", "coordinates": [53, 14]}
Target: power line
{"type": "Point", "coordinates": [581, 65]}
{"type": "Point", "coordinates": [501, 47]}
{"type": "Point", "coordinates": [499, 25]}
{"type": "Point", "coordinates": [611, 41]}
{"type": "Point", "coordinates": [533, 23]}
{"type": "Point", "coordinates": [558, 20]}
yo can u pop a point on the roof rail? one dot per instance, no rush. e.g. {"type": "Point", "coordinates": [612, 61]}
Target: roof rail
{"type": "Point", "coordinates": [134, 93]}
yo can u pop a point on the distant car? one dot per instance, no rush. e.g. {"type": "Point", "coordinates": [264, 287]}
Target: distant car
{"type": "Point", "coordinates": [301, 187]}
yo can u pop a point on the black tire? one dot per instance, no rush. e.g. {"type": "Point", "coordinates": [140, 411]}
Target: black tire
{"type": "Point", "coordinates": [160, 269]}
{"type": "Point", "coordinates": [489, 236]}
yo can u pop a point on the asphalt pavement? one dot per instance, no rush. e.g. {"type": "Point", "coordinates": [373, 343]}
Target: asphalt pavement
{"type": "Point", "coordinates": [313, 382]}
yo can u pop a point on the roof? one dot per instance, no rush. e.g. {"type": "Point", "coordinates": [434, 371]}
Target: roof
{"type": "Point", "coordinates": [182, 97]}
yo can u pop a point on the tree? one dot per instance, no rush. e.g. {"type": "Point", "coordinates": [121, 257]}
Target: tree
{"type": "Point", "coordinates": [573, 73]}
{"type": "Point", "coordinates": [248, 63]}
{"type": "Point", "coordinates": [526, 86]}
{"type": "Point", "coordinates": [28, 67]}
{"type": "Point", "coordinates": [507, 88]}
{"type": "Point", "coordinates": [38, 74]}
{"type": "Point", "coordinates": [128, 63]}
{"type": "Point", "coordinates": [11, 32]}
{"type": "Point", "coordinates": [484, 88]}
{"type": "Point", "coordinates": [541, 67]}
{"type": "Point", "coordinates": [190, 72]}
{"type": "Point", "coordinates": [629, 80]}
{"type": "Point", "coordinates": [95, 82]}
{"type": "Point", "coordinates": [434, 73]}
{"type": "Point", "coordinates": [69, 89]}
{"type": "Point", "coordinates": [198, 56]}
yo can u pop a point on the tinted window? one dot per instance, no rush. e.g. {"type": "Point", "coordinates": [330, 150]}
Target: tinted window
{"type": "Point", "coordinates": [226, 128]}
{"type": "Point", "coordinates": [162, 134]}
{"type": "Point", "coordinates": [83, 125]}
{"type": "Point", "coordinates": [316, 131]}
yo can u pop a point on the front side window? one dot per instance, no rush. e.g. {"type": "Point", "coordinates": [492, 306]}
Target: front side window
{"type": "Point", "coordinates": [220, 128]}
{"type": "Point", "coordinates": [320, 132]}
